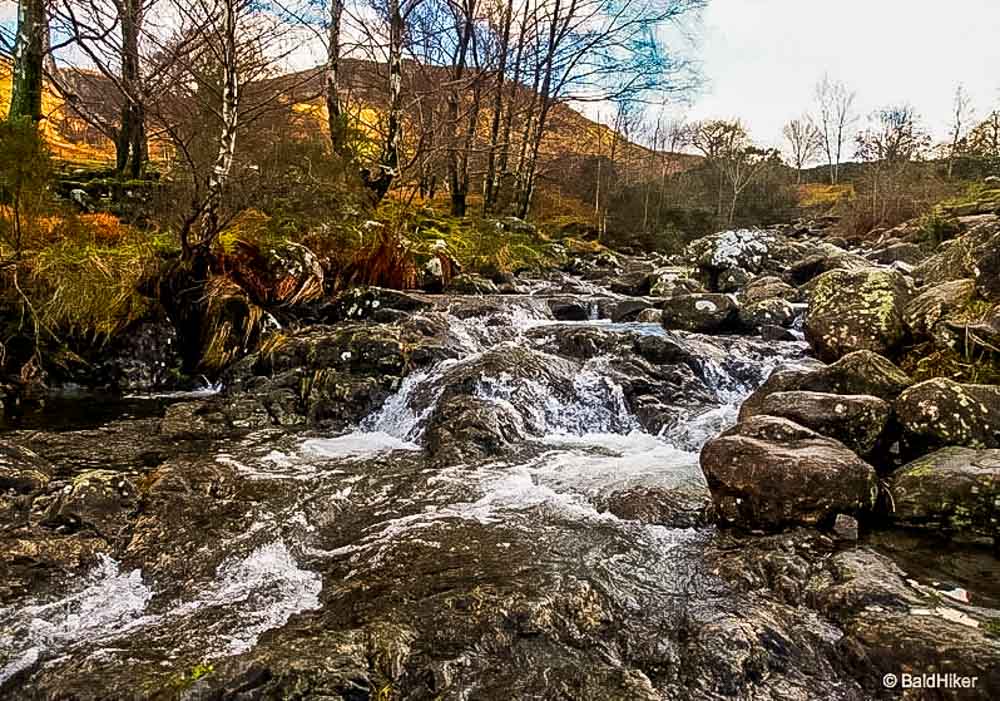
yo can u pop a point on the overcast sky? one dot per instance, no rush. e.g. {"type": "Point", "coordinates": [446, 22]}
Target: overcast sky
{"type": "Point", "coordinates": [762, 58]}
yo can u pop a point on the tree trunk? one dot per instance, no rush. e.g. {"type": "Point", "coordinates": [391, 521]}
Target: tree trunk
{"type": "Point", "coordinates": [489, 185]}
{"type": "Point", "coordinates": [545, 104]}
{"type": "Point", "coordinates": [208, 219]}
{"type": "Point", "coordinates": [335, 117]}
{"type": "Point", "coordinates": [130, 147]}
{"type": "Point", "coordinates": [455, 181]}
{"type": "Point", "coordinates": [29, 53]}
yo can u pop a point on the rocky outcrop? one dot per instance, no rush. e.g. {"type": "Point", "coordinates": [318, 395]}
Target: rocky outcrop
{"type": "Point", "coordinates": [942, 412]}
{"type": "Point", "coordinates": [857, 421]}
{"type": "Point", "coordinates": [770, 473]}
{"type": "Point", "coordinates": [955, 490]}
{"type": "Point", "coordinates": [857, 310]}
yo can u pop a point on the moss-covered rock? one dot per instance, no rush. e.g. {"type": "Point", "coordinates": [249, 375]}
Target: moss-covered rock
{"type": "Point", "coordinates": [954, 489]}
{"type": "Point", "coordinates": [857, 310]}
{"type": "Point", "coordinates": [942, 412]}
{"type": "Point", "coordinates": [767, 312]}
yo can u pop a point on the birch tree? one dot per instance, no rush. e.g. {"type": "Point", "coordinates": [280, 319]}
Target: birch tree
{"type": "Point", "coordinates": [835, 105]}
{"type": "Point", "coordinates": [29, 53]}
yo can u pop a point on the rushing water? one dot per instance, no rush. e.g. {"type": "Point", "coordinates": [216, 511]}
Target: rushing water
{"type": "Point", "coordinates": [340, 522]}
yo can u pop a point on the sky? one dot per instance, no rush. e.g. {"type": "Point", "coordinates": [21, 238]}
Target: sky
{"type": "Point", "coordinates": [762, 58]}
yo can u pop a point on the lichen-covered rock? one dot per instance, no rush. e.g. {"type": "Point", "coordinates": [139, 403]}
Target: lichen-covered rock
{"type": "Point", "coordinates": [703, 313]}
{"type": "Point", "coordinates": [770, 473]}
{"type": "Point", "coordinates": [956, 259]}
{"type": "Point", "coordinates": [732, 280]}
{"type": "Point", "coordinates": [369, 302]}
{"type": "Point", "coordinates": [942, 412]}
{"type": "Point", "coordinates": [897, 252]}
{"type": "Point", "coordinates": [101, 500]}
{"type": "Point", "coordinates": [935, 304]}
{"type": "Point", "coordinates": [857, 310]}
{"type": "Point", "coordinates": [987, 268]}
{"type": "Point", "coordinates": [857, 421]}
{"type": "Point", "coordinates": [954, 489]}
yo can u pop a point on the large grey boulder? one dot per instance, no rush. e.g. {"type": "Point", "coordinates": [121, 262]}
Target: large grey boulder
{"type": "Point", "coordinates": [771, 473]}
{"type": "Point", "coordinates": [857, 310]}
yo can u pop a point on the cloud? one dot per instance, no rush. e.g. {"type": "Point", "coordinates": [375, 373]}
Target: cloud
{"type": "Point", "coordinates": [763, 58]}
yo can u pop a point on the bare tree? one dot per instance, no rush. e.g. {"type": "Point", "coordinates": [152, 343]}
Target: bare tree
{"type": "Point", "coordinates": [805, 141]}
{"type": "Point", "coordinates": [835, 104]}
{"type": "Point", "coordinates": [893, 139]}
{"type": "Point", "coordinates": [961, 114]}
{"type": "Point", "coordinates": [109, 35]}
{"type": "Point", "coordinates": [729, 151]}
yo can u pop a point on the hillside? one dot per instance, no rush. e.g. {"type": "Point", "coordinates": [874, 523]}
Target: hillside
{"type": "Point", "coordinates": [572, 146]}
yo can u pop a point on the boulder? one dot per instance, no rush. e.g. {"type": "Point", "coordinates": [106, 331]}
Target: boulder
{"type": "Point", "coordinates": [101, 500]}
{"type": "Point", "coordinates": [767, 312]}
{"type": "Point", "coordinates": [471, 284]}
{"type": "Point", "coordinates": [23, 476]}
{"type": "Point", "coordinates": [673, 508]}
{"type": "Point", "coordinates": [782, 379]}
{"type": "Point", "coordinates": [857, 421]}
{"type": "Point", "coordinates": [986, 268]}
{"type": "Point", "coordinates": [770, 473]}
{"type": "Point", "coordinates": [954, 489]}
{"type": "Point", "coordinates": [667, 282]}
{"type": "Point", "coordinates": [703, 313]}
{"type": "Point", "coordinates": [897, 252]}
{"type": "Point", "coordinates": [956, 259]}
{"type": "Point", "coordinates": [360, 303]}
{"type": "Point", "coordinates": [767, 287]}
{"type": "Point", "coordinates": [942, 412]}
{"type": "Point", "coordinates": [468, 428]}
{"type": "Point", "coordinates": [857, 310]}
{"type": "Point", "coordinates": [936, 303]}
{"type": "Point", "coordinates": [860, 372]}
{"type": "Point", "coordinates": [732, 280]}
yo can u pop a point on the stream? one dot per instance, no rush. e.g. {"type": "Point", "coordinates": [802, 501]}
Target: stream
{"type": "Point", "coordinates": [372, 563]}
